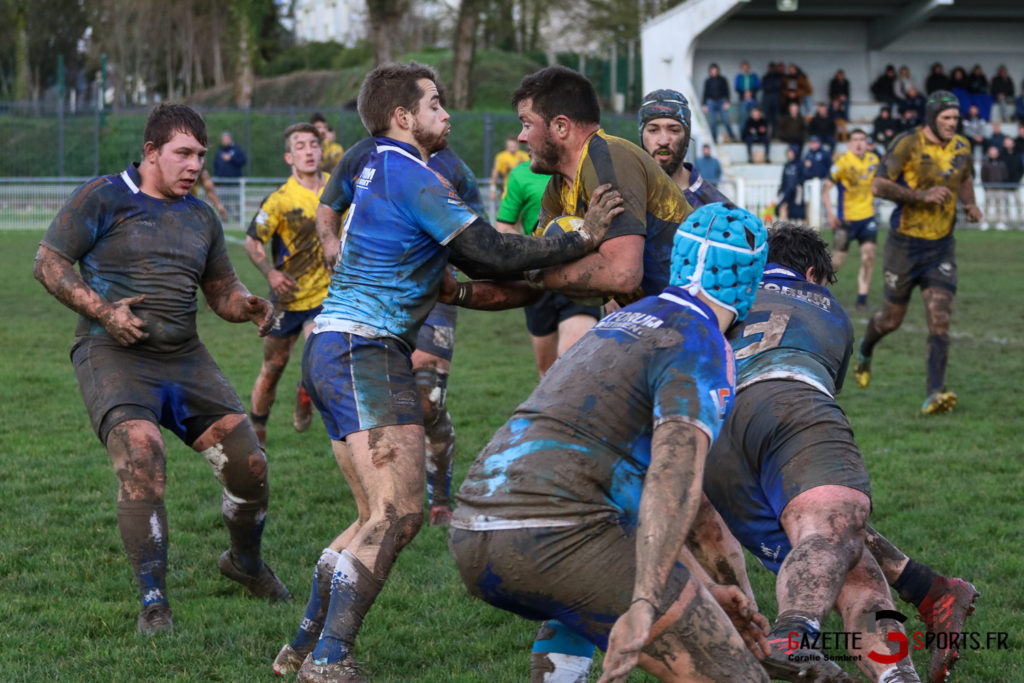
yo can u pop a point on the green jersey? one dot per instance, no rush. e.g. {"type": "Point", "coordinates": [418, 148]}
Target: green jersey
{"type": "Point", "coordinates": [521, 200]}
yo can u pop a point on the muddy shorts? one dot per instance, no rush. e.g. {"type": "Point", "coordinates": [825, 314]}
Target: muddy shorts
{"type": "Point", "coordinates": [437, 335]}
{"type": "Point", "coordinates": [864, 231]}
{"type": "Point", "coordinates": [913, 262]}
{"type": "Point", "coordinates": [581, 575]}
{"type": "Point", "coordinates": [543, 317]}
{"type": "Point", "coordinates": [782, 438]}
{"type": "Point", "coordinates": [358, 383]}
{"type": "Point", "coordinates": [290, 323]}
{"type": "Point", "coordinates": [183, 391]}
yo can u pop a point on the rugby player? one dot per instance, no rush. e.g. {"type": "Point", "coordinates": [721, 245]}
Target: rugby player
{"type": "Point", "coordinates": [852, 174]}
{"type": "Point", "coordinates": [332, 150]}
{"type": "Point", "coordinates": [296, 273]}
{"type": "Point", "coordinates": [144, 245]}
{"type": "Point", "coordinates": [578, 508]}
{"type": "Point", "coordinates": [404, 225]}
{"type": "Point", "coordinates": [926, 171]}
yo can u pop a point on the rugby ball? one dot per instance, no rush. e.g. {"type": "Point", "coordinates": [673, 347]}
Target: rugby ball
{"type": "Point", "coordinates": [564, 223]}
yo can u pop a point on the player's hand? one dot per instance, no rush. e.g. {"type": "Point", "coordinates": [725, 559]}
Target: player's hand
{"type": "Point", "coordinates": [222, 212]}
{"type": "Point", "coordinates": [282, 284]}
{"type": "Point", "coordinates": [261, 312]}
{"type": "Point", "coordinates": [833, 222]}
{"type": "Point", "coordinates": [750, 624]}
{"type": "Point", "coordinates": [605, 205]}
{"type": "Point", "coordinates": [936, 195]}
{"type": "Point", "coordinates": [120, 323]}
{"type": "Point", "coordinates": [973, 213]}
{"type": "Point", "coordinates": [627, 638]}
{"type": "Point", "coordinates": [449, 285]}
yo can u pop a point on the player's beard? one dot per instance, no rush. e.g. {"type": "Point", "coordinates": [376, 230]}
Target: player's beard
{"type": "Point", "coordinates": [545, 158]}
{"type": "Point", "coordinates": [431, 142]}
{"type": "Point", "coordinates": [671, 165]}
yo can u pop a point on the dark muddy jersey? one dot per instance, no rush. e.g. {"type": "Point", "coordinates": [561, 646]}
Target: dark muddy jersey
{"type": "Point", "coordinates": [128, 243]}
{"type": "Point", "coordinates": [579, 447]}
{"type": "Point", "coordinates": [654, 205]}
{"type": "Point", "coordinates": [795, 330]}
{"type": "Point", "coordinates": [700, 192]}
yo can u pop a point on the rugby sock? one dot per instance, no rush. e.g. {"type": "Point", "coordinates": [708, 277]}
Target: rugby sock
{"type": "Point", "coordinates": [244, 520]}
{"type": "Point", "coordinates": [938, 355]}
{"type": "Point", "coordinates": [792, 621]}
{"type": "Point", "coordinates": [913, 582]}
{"type": "Point", "coordinates": [143, 527]}
{"type": "Point", "coordinates": [871, 337]}
{"type": "Point", "coordinates": [319, 599]}
{"type": "Point", "coordinates": [353, 591]}
{"type": "Point", "coordinates": [560, 655]}
{"type": "Point", "coordinates": [862, 299]}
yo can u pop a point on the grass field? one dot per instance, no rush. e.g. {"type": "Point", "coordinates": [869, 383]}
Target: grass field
{"type": "Point", "coordinates": [947, 490]}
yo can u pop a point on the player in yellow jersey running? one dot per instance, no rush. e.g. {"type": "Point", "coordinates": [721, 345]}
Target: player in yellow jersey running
{"type": "Point", "coordinates": [295, 269]}
{"type": "Point", "coordinates": [854, 215]}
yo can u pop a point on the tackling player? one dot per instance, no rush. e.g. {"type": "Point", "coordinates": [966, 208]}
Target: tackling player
{"type": "Point", "coordinates": [405, 223]}
{"type": "Point", "coordinates": [852, 174]}
{"type": "Point", "coordinates": [296, 273]}
{"type": "Point", "coordinates": [144, 245]}
{"type": "Point", "coordinates": [578, 508]}
{"type": "Point", "coordinates": [332, 150]}
{"type": "Point", "coordinates": [925, 172]}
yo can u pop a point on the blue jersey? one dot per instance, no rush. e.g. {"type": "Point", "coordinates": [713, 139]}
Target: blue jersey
{"type": "Point", "coordinates": [701, 192]}
{"type": "Point", "coordinates": [393, 246]}
{"type": "Point", "coordinates": [579, 447]}
{"type": "Point", "coordinates": [341, 186]}
{"type": "Point", "coordinates": [795, 330]}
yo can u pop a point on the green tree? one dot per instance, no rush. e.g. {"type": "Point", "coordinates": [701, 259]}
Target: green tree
{"type": "Point", "coordinates": [384, 17]}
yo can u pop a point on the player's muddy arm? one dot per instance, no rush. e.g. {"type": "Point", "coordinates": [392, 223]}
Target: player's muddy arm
{"type": "Point", "coordinates": [231, 299]}
{"type": "Point", "coordinates": [617, 267]}
{"type": "Point", "coordinates": [717, 550]}
{"type": "Point", "coordinates": [888, 189]}
{"type": "Point", "coordinates": [966, 196]}
{"type": "Point", "coordinates": [328, 224]}
{"type": "Point", "coordinates": [491, 295]}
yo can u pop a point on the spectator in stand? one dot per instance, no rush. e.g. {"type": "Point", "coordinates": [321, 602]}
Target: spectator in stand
{"type": "Point", "coordinates": [886, 127]}
{"type": "Point", "coordinates": [1018, 103]}
{"type": "Point", "coordinates": [1018, 142]}
{"type": "Point", "coordinates": [797, 88]}
{"type": "Point", "coordinates": [961, 87]}
{"type": "Point", "coordinates": [708, 167]}
{"type": "Point", "coordinates": [1002, 91]}
{"type": "Point", "coordinates": [996, 138]}
{"type": "Point", "coordinates": [747, 85]}
{"type": "Point", "coordinates": [909, 120]}
{"type": "Point", "coordinates": [839, 89]}
{"type": "Point", "coordinates": [771, 103]}
{"type": "Point", "coordinates": [755, 132]}
{"type": "Point", "coordinates": [883, 88]}
{"type": "Point", "coordinates": [994, 178]}
{"type": "Point", "coordinates": [974, 129]}
{"type": "Point", "coordinates": [230, 158]}
{"type": "Point", "coordinates": [793, 128]}
{"type": "Point", "coordinates": [912, 100]}
{"type": "Point", "coordinates": [823, 127]}
{"type": "Point", "coordinates": [716, 102]}
{"type": "Point", "coordinates": [790, 202]}
{"type": "Point", "coordinates": [937, 79]}
{"type": "Point", "coordinates": [837, 111]}
{"type": "Point", "coordinates": [978, 87]}
{"type": "Point", "coordinates": [817, 161]}
{"type": "Point", "coordinates": [904, 83]}
{"type": "Point", "coordinates": [1013, 159]}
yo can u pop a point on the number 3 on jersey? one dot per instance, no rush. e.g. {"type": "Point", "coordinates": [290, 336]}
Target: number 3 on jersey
{"type": "Point", "coordinates": [770, 333]}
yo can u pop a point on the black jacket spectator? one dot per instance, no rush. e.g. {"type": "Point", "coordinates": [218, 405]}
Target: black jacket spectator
{"type": "Point", "coordinates": [793, 129]}
{"type": "Point", "coordinates": [715, 88]}
{"type": "Point", "coordinates": [977, 82]}
{"type": "Point", "coordinates": [937, 80]}
{"type": "Point", "coordinates": [958, 79]}
{"type": "Point", "coordinates": [822, 126]}
{"type": "Point", "coordinates": [839, 86]}
{"type": "Point", "coordinates": [883, 87]}
{"type": "Point", "coordinates": [914, 101]}
{"type": "Point", "coordinates": [994, 171]}
{"type": "Point", "coordinates": [886, 127]}
{"type": "Point", "coordinates": [1002, 85]}
{"type": "Point", "coordinates": [1014, 163]}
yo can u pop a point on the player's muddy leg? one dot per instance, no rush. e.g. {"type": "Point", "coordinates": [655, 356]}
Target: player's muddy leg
{"type": "Point", "coordinates": [890, 559]}
{"type": "Point", "coordinates": [432, 387]}
{"type": "Point", "coordinates": [137, 452]}
{"type": "Point", "coordinates": [882, 323]}
{"type": "Point", "coordinates": [867, 610]}
{"type": "Point", "coordinates": [545, 351]}
{"type": "Point", "coordinates": [388, 463]}
{"type": "Point", "coordinates": [695, 641]}
{"type": "Point", "coordinates": [571, 329]}
{"type": "Point", "coordinates": [276, 351]}
{"type": "Point", "coordinates": [938, 308]}
{"type": "Point", "coordinates": [867, 265]}
{"type": "Point", "coordinates": [560, 655]}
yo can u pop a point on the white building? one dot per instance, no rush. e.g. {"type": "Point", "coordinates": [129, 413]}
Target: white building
{"type": "Point", "coordinates": [343, 21]}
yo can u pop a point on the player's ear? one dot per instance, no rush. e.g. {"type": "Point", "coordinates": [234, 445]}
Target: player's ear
{"type": "Point", "coordinates": [150, 151]}
{"type": "Point", "coordinates": [560, 126]}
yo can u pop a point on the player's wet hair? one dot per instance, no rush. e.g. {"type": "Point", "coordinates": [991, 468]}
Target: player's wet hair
{"type": "Point", "coordinates": [389, 87]}
{"type": "Point", "coordinates": [559, 91]}
{"type": "Point", "coordinates": [298, 128]}
{"type": "Point", "coordinates": [799, 248]}
{"type": "Point", "coordinates": [168, 119]}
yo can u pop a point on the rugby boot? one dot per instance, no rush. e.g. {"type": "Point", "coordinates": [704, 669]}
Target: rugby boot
{"type": "Point", "coordinates": [288, 660]}
{"type": "Point", "coordinates": [264, 585]}
{"type": "Point", "coordinates": [862, 369]}
{"type": "Point", "coordinates": [937, 402]}
{"type": "Point", "coordinates": [345, 671]}
{"type": "Point", "coordinates": [303, 415]}
{"type": "Point", "coordinates": [440, 515]}
{"type": "Point", "coordinates": [901, 673]}
{"type": "Point", "coordinates": [154, 619]}
{"type": "Point", "coordinates": [944, 610]}
{"type": "Point", "coordinates": [801, 665]}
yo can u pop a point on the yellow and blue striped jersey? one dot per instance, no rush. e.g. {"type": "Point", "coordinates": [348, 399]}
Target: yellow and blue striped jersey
{"type": "Point", "coordinates": [852, 176]}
